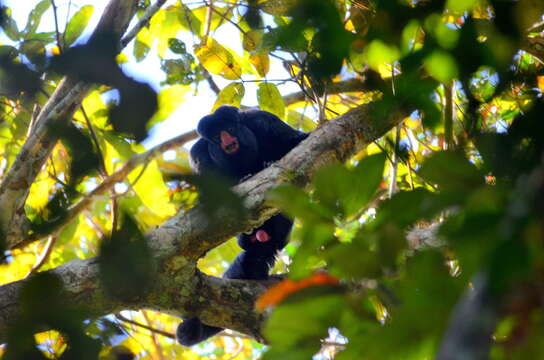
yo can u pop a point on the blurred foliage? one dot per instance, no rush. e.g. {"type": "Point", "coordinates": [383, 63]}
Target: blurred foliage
{"type": "Point", "coordinates": [467, 157]}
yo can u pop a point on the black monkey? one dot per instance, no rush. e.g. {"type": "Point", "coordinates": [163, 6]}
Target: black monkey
{"type": "Point", "coordinates": [237, 144]}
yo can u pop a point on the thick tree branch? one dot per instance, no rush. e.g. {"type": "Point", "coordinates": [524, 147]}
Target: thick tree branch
{"type": "Point", "coordinates": [179, 289]}
{"type": "Point", "coordinates": [24, 239]}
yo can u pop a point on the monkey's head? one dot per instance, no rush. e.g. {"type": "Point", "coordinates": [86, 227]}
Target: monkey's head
{"type": "Point", "coordinates": [224, 129]}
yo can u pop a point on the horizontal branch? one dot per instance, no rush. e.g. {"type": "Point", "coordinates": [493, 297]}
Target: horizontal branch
{"type": "Point", "coordinates": [183, 239]}
{"type": "Point", "coordinates": [23, 239]}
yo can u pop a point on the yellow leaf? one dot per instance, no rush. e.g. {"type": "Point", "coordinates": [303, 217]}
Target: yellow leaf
{"type": "Point", "coordinates": [121, 58]}
{"type": "Point", "coordinates": [169, 100]}
{"type": "Point", "coordinates": [96, 110]}
{"type": "Point", "coordinates": [261, 62]}
{"type": "Point", "coordinates": [230, 95]}
{"type": "Point", "coordinates": [151, 189]}
{"type": "Point", "coordinates": [55, 50]}
{"type": "Point", "coordinates": [540, 82]}
{"type": "Point", "coordinates": [39, 193]}
{"type": "Point", "coordinates": [218, 60]}
{"type": "Point", "coordinates": [412, 123]}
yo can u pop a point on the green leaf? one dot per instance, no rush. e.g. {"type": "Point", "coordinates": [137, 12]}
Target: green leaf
{"type": "Point", "coordinates": [368, 177]}
{"type": "Point", "coordinates": [379, 53]}
{"type": "Point", "coordinates": [297, 204]}
{"type": "Point", "coordinates": [422, 203]}
{"type": "Point", "coordinates": [230, 95]}
{"type": "Point", "coordinates": [339, 258]}
{"type": "Point", "coordinates": [188, 20]}
{"type": "Point", "coordinates": [34, 51]}
{"type": "Point", "coordinates": [442, 66]}
{"type": "Point", "coordinates": [460, 6]}
{"type": "Point", "coordinates": [9, 25]}
{"type": "Point", "coordinates": [177, 46]}
{"type": "Point", "coordinates": [452, 172]}
{"type": "Point", "coordinates": [9, 52]}
{"type": "Point", "coordinates": [309, 255]}
{"type": "Point", "coordinates": [77, 24]}
{"type": "Point", "coordinates": [345, 192]}
{"type": "Point", "coordinates": [301, 324]}
{"type": "Point", "coordinates": [270, 99]}
{"type": "Point", "coordinates": [141, 50]}
{"type": "Point", "coordinates": [34, 18]}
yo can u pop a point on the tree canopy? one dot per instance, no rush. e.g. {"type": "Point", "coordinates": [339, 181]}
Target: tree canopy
{"type": "Point", "coordinates": [418, 196]}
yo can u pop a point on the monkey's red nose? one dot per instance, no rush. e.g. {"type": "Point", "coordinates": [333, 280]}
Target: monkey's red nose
{"type": "Point", "coordinates": [262, 236]}
{"type": "Point", "coordinates": [229, 143]}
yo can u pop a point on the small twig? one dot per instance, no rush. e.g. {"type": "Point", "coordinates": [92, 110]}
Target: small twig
{"type": "Point", "coordinates": [448, 117]}
{"type": "Point", "coordinates": [208, 20]}
{"type": "Point", "coordinates": [94, 225]}
{"type": "Point", "coordinates": [44, 256]}
{"type": "Point", "coordinates": [394, 164]}
{"type": "Point", "coordinates": [156, 343]}
{"type": "Point", "coordinates": [143, 326]}
{"type": "Point", "coordinates": [227, 19]}
{"type": "Point", "coordinates": [213, 85]}
{"type": "Point", "coordinates": [55, 15]}
{"type": "Point", "coordinates": [102, 167]}
{"type": "Point", "coordinates": [147, 15]}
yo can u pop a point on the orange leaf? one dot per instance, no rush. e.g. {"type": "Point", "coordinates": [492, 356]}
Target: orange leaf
{"type": "Point", "coordinates": [277, 293]}
{"type": "Point", "coordinates": [540, 82]}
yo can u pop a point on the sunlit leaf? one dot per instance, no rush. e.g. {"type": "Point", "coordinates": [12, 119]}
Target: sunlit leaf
{"type": "Point", "coordinates": [378, 53]}
{"type": "Point", "coordinates": [218, 60]}
{"type": "Point", "coordinates": [460, 5]}
{"type": "Point", "coordinates": [9, 25]}
{"type": "Point", "coordinates": [188, 20]}
{"type": "Point", "coordinates": [77, 24]}
{"type": "Point", "coordinates": [261, 62]}
{"type": "Point", "coordinates": [165, 27]}
{"type": "Point", "coordinates": [142, 44]}
{"type": "Point", "coordinates": [442, 66]}
{"type": "Point", "coordinates": [35, 17]}
{"type": "Point", "coordinates": [169, 100]}
{"type": "Point", "coordinates": [231, 94]}
{"type": "Point", "coordinates": [270, 99]}
{"type": "Point", "coordinates": [39, 193]}
{"type": "Point", "coordinates": [151, 189]}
